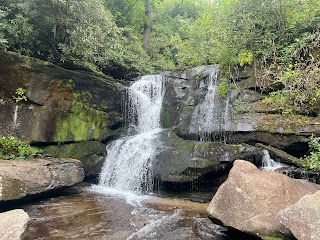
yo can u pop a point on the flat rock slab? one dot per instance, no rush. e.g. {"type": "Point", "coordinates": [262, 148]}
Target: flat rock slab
{"type": "Point", "coordinates": [13, 224]}
{"type": "Point", "coordinates": [250, 199]}
{"type": "Point", "coordinates": [303, 218]}
{"type": "Point", "coordinates": [19, 178]}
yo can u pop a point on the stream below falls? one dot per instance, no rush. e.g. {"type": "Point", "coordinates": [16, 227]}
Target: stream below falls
{"type": "Point", "coordinates": [93, 215]}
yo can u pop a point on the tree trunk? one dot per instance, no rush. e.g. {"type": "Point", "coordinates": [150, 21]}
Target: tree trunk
{"type": "Point", "coordinates": [147, 25]}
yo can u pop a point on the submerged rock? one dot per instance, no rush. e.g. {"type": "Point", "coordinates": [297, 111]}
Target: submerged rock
{"type": "Point", "coordinates": [13, 224]}
{"type": "Point", "coordinates": [21, 178]}
{"type": "Point", "coordinates": [250, 200]}
{"type": "Point", "coordinates": [303, 217]}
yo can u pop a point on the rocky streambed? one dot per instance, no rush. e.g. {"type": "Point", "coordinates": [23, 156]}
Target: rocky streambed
{"type": "Point", "coordinates": [92, 215]}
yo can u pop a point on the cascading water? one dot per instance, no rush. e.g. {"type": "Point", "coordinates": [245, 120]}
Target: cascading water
{"type": "Point", "coordinates": [268, 164]}
{"type": "Point", "coordinates": [213, 114]}
{"type": "Point", "coordinates": [128, 166]}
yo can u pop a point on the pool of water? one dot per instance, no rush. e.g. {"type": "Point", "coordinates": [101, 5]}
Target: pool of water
{"type": "Point", "coordinates": [105, 214]}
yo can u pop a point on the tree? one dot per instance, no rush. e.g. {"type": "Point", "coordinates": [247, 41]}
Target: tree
{"type": "Point", "coordinates": [147, 25]}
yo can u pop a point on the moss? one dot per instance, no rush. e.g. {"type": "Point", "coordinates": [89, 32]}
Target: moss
{"type": "Point", "coordinates": [287, 124]}
{"type": "Point", "coordinates": [82, 123]}
{"type": "Point", "coordinates": [166, 117]}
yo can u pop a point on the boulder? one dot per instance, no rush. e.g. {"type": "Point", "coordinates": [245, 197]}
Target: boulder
{"type": "Point", "coordinates": [21, 178]}
{"type": "Point", "coordinates": [250, 200]}
{"type": "Point", "coordinates": [183, 161]}
{"type": "Point", "coordinates": [13, 224]}
{"type": "Point", "coordinates": [60, 106]}
{"type": "Point", "coordinates": [303, 217]}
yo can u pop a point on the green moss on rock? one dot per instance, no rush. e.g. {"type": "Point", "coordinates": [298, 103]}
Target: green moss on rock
{"type": "Point", "coordinates": [82, 123]}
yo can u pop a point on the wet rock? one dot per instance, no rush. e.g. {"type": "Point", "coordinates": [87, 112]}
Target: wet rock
{"type": "Point", "coordinates": [21, 178]}
{"type": "Point", "coordinates": [238, 113]}
{"type": "Point", "coordinates": [250, 200]}
{"type": "Point", "coordinates": [303, 217]}
{"type": "Point", "coordinates": [61, 106]}
{"type": "Point", "coordinates": [182, 161]}
{"type": "Point", "coordinates": [282, 156]}
{"type": "Point", "coordinates": [13, 224]}
{"type": "Point", "coordinates": [92, 155]}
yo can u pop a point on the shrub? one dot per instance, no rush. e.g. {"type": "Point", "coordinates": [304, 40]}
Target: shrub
{"type": "Point", "coordinates": [314, 157]}
{"type": "Point", "coordinates": [12, 148]}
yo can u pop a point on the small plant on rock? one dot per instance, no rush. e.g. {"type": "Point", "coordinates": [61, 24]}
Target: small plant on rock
{"type": "Point", "coordinates": [314, 157]}
{"type": "Point", "coordinates": [12, 148]}
{"type": "Point", "coordinates": [20, 95]}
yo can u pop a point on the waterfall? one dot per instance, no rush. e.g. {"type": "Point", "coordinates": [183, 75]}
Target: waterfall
{"type": "Point", "coordinates": [268, 164]}
{"type": "Point", "coordinates": [128, 165]}
{"type": "Point", "coordinates": [213, 113]}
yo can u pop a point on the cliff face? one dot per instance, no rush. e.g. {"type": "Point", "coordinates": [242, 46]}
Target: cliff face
{"type": "Point", "coordinates": [61, 105]}
{"type": "Point", "coordinates": [199, 107]}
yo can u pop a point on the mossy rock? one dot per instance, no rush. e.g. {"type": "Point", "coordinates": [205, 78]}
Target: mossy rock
{"type": "Point", "coordinates": [61, 106]}
{"type": "Point", "coordinates": [184, 161]}
{"type": "Point", "coordinates": [91, 154]}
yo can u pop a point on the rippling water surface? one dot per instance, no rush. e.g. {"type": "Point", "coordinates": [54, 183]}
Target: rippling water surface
{"type": "Point", "coordinates": [92, 215]}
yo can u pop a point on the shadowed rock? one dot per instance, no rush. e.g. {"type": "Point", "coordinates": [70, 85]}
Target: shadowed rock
{"type": "Point", "coordinates": [182, 161]}
{"type": "Point", "coordinates": [250, 199]}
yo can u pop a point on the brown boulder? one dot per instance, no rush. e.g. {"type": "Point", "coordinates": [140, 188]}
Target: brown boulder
{"type": "Point", "coordinates": [20, 178]}
{"type": "Point", "coordinates": [303, 218]}
{"type": "Point", "coordinates": [250, 199]}
{"type": "Point", "coordinates": [13, 224]}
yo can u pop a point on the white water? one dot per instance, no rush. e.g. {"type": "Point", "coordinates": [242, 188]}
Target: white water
{"type": "Point", "coordinates": [268, 164]}
{"type": "Point", "coordinates": [128, 166]}
{"type": "Point", "coordinates": [144, 103]}
{"type": "Point", "coordinates": [213, 114]}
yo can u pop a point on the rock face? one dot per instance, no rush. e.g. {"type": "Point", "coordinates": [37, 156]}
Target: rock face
{"type": "Point", "coordinates": [61, 106]}
{"type": "Point", "coordinates": [21, 178]}
{"type": "Point", "coordinates": [250, 199]}
{"type": "Point", "coordinates": [182, 161]}
{"type": "Point", "coordinates": [13, 224]}
{"type": "Point", "coordinates": [303, 217]}
{"type": "Point", "coordinates": [190, 96]}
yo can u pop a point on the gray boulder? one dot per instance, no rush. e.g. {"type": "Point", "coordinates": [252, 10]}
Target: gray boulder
{"type": "Point", "coordinates": [13, 224]}
{"type": "Point", "coordinates": [21, 178]}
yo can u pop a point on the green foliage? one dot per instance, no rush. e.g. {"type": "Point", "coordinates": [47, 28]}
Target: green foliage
{"type": "Point", "coordinates": [245, 57]}
{"type": "Point", "coordinates": [12, 149]}
{"type": "Point", "coordinates": [20, 95]}
{"type": "Point", "coordinates": [314, 157]}
{"type": "Point", "coordinates": [3, 26]}
{"type": "Point", "coordinates": [223, 87]}
{"type": "Point", "coordinates": [301, 92]}
{"type": "Point", "coordinates": [275, 37]}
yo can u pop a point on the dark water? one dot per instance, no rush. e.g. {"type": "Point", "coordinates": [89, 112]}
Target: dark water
{"type": "Point", "coordinates": [91, 215]}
